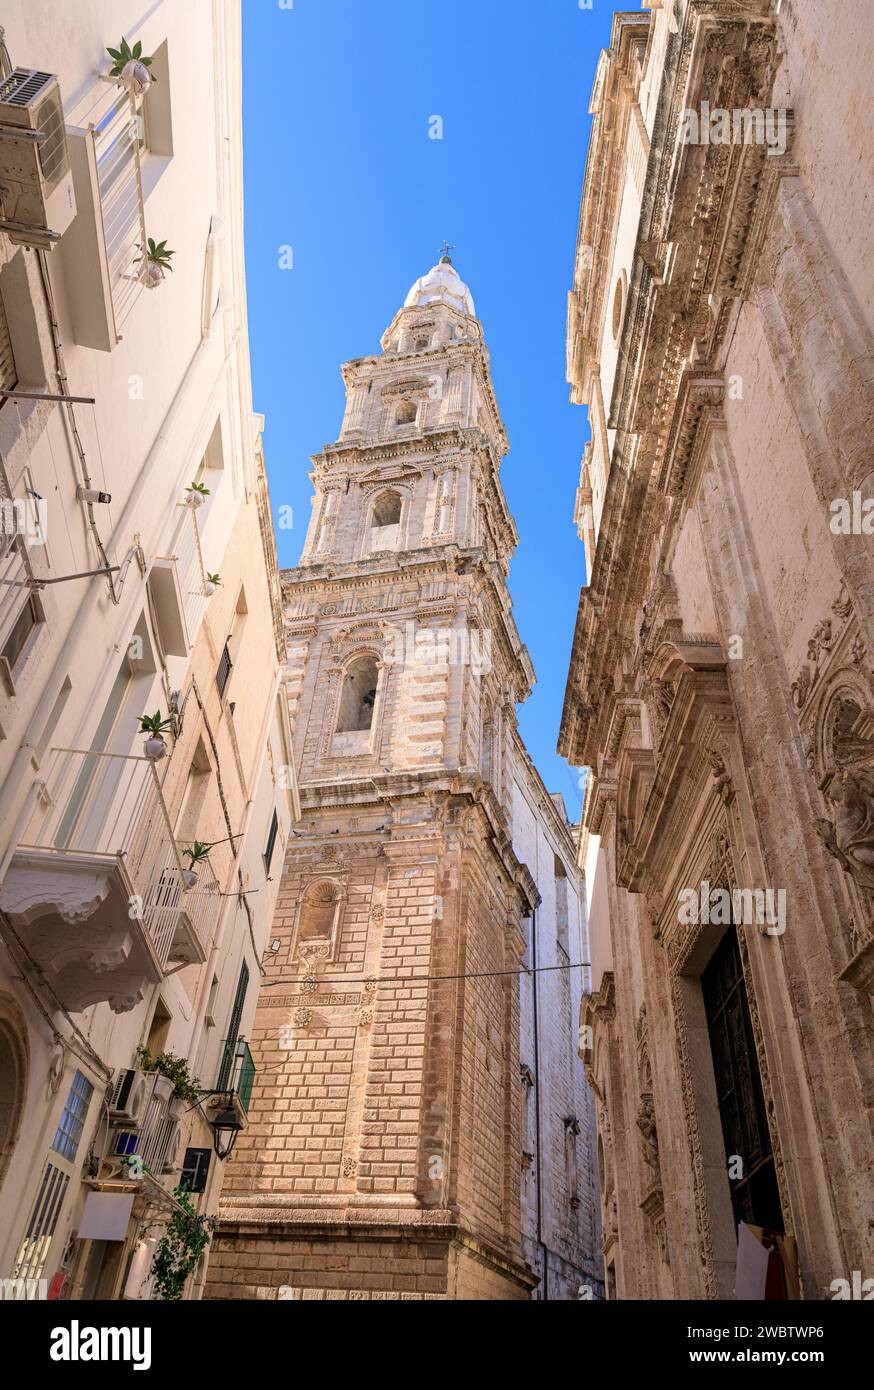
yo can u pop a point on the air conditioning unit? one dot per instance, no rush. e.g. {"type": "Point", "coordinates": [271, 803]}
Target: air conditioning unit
{"type": "Point", "coordinates": [129, 1095]}
{"type": "Point", "coordinates": [36, 182]}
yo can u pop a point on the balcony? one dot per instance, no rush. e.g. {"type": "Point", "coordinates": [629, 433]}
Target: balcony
{"type": "Point", "coordinates": [95, 883]}
{"type": "Point", "coordinates": [237, 1071]}
{"type": "Point", "coordinates": [103, 248]}
{"type": "Point", "coordinates": [156, 1139]}
{"type": "Point", "coordinates": [177, 583]}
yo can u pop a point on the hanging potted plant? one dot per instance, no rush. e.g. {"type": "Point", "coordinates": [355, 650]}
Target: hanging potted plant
{"type": "Point", "coordinates": [212, 583]}
{"type": "Point", "coordinates": [195, 854]}
{"type": "Point", "coordinates": [157, 260]}
{"type": "Point", "coordinates": [180, 1248]}
{"type": "Point", "coordinates": [131, 68]}
{"type": "Point", "coordinates": [173, 1077]}
{"type": "Point", "coordinates": [155, 746]}
{"type": "Point", "coordinates": [196, 494]}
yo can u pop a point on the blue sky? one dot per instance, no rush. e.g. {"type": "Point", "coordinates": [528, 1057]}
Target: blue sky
{"type": "Point", "coordinates": [338, 96]}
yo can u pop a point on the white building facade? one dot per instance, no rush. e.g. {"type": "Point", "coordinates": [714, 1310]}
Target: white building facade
{"type": "Point", "coordinates": [127, 591]}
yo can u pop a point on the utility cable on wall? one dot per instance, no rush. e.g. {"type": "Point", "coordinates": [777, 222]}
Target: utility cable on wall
{"type": "Point", "coordinates": [424, 979]}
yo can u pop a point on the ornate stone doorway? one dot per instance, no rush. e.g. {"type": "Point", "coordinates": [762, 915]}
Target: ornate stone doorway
{"type": "Point", "coordinates": [755, 1194]}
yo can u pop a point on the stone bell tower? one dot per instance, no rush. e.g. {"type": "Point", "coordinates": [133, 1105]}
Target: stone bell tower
{"type": "Point", "coordinates": [382, 1154]}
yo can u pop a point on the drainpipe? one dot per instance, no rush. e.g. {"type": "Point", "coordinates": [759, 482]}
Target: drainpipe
{"type": "Point", "coordinates": [544, 1253]}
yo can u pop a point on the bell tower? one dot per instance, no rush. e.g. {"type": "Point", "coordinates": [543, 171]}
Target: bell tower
{"type": "Point", "coordinates": [385, 1123]}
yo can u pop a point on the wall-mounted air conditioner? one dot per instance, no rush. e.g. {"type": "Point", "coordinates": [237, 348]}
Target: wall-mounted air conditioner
{"type": "Point", "coordinates": [129, 1095]}
{"type": "Point", "coordinates": [36, 182]}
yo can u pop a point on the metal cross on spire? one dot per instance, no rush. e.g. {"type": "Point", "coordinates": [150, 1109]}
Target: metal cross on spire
{"type": "Point", "coordinates": [445, 249]}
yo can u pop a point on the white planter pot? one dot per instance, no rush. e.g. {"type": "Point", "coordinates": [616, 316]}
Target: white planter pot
{"type": "Point", "coordinates": [135, 77]}
{"type": "Point", "coordinates": [163, 1087]}
{"type": "Point", "coordinates": [155, 749]}
{"type": "Point", "coordinates": [209, 588]}
{"type": "Point", "coordinates": [189, 878]}
{"type": "Point", "coordinates": [177, 1108]}
{"type": "Point", "coordinates": [154, 275]}
{"type": "Point", "coordinates": [195, 499]}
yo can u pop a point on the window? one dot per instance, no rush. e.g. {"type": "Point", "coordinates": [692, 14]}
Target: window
{"type": "Point", "coordinates": [231, 654]}
{"type": "Point", "coordinates": [73, 1117]}
{"type": "Point", "coordinates": [119, 141]}
{"type": "Point", "coordinates": [223, 674]}
{"type": "Point", "coordinates": [28, 619]}
{"type": "Point", "coordinates": [159, 1029]}
{"type": "Point", "coordinates": [406, 413]}
{"type": "Point", "coordinates": [271, 841]}
{"type": "Point", "coordinates": [226, 1070]}
{"type": "Point", "coordinates": [195, 1170]}
{"type": "Point", "coordinates": [385, 521]}
{"type": "Point", "coordinates": [35, 1245]}
{"type": "Point", "coordinates": [359, 695]}
{"type": "Point", "coordinates": [39, 1233]}
{"type": "Point", "coordinates": [422, 344]}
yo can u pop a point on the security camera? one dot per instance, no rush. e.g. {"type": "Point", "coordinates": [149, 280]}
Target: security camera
{"type": "Point", "coordinates": [91, 494]}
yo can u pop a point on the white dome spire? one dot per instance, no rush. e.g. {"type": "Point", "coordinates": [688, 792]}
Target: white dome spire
{"type": "Point", "coordinates": [442, 285]}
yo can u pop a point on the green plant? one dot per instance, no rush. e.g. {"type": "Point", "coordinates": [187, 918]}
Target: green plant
{"type": "Point", "coordinates": [158, 254]}
{"type": "Point", "coordinates": [124, 54]}
{"type": "Point", "coordinates": [213, 579]}
{"type": "Point", "coordinates": [154, 725]}
{"type": "Point", "coordinates": [180, 1247]}
{"type": "Point", "coordinates": [197, 852]}
{"type": "Point", "coordinates": [198, 487]}
{"type": "Point", "coordinates": [185, 1086]}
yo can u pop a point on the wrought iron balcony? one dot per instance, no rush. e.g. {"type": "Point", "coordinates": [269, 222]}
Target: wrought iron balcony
{"type": "Point", "coordinates": [96, 884]}
{"type": "Point", "coordinates": [237, 1071]}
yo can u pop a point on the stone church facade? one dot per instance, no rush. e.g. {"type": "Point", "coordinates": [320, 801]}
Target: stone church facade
{"type": "Point", "coordinates": [722, 676]}
{"type": "Point", "coordinates": [414, 1133]}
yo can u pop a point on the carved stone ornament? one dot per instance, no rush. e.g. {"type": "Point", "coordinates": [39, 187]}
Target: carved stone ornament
{"type": "Point", "coordinates": [849, 836]}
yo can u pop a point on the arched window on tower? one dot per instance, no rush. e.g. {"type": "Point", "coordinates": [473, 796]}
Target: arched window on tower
{"type": "Point", "coordinates": [406, 413]}
{"type": "Point", "coordinates": [385, 522]}
{"type": "Point", "coordinates": [359, 695]}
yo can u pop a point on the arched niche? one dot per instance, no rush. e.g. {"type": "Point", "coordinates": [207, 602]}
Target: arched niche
{"type": "Point", "coordinates": [318, 918]}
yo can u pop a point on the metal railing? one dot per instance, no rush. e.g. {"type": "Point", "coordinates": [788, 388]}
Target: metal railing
{"type": "Point", "coordinates": [16, 584]}
{"type": "Point", "coordinates": [237, 1070]}
{"type": "Point", "coordinates": [223, 674]}
{"type": "Point", "coordinates": [118, 134]}
{"type": "Point", "coordinates": [110, 806]}
{"type": "Point", "coordinates": [156, 1138]}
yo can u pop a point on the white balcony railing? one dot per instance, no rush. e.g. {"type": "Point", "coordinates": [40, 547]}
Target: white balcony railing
{"type": "Point", "coordinates": [158, 1142]}
{"type": "Point", "coordinates": [110, 807]}
{"type": "Point", "coordinates": [118, 136]}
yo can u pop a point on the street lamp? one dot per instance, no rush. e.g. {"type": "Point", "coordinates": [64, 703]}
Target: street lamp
{"type": "Point", "coordinates": [226, 1125]}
